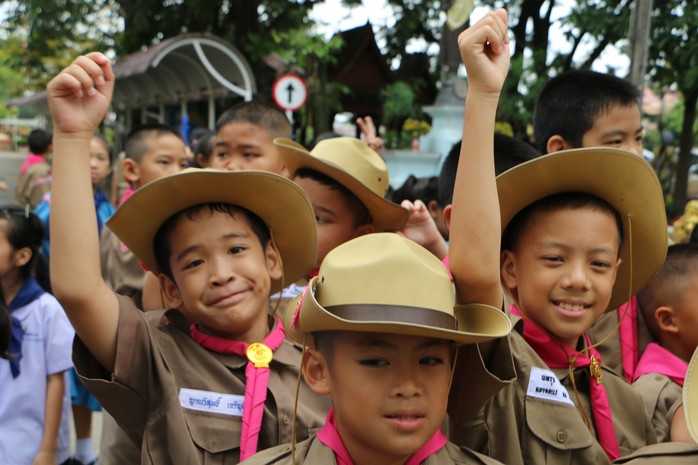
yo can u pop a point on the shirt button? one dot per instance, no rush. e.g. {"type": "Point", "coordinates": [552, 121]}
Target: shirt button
{"type": "Point", "coordinates": [561, 436]}
{"type": "Point", "coordinates": [286, 420]}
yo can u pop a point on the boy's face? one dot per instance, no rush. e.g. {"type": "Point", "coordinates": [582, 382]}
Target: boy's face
{"type": "Point", "coordinates": [221, 275]}
{"type": "Point", "coordinates": [246, 146]}
{"type": "Point", "coordinates": [335, 220]}
{"type": "Point", "coordinates": [100, 165]}
{"type": "Point", "coordinates": [620, 127]}
{"type": "Point", "coordinates": [563, 268]}
{"type": "Point", "coordinates": [167, 155]}
{"type": "Point", "coordinates": [389, 391]}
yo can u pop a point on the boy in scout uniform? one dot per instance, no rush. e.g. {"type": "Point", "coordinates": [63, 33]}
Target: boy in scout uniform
{"type": "Point", "coordinates": [383, 354]}
{"type": "Point", "coordinates": [683, 450]}
{"type": "Point", "coordinates": [669, 308]}
{"type": "Point", "coordinates": [582, 230]}
{"type": "Point", "coordinates": [210, 381]}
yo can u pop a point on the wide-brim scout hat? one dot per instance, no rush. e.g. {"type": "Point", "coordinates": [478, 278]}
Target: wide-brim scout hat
{"type": "Point", "coordinates": [354, 165]}
{"type": "Point", "coordinates": [280, 203]}
{"type": "Point", "coordinates": [624, 180]}
{"type": "Point", "coordinates": [386, 283]}
{"type": "Point", "coordinates": [690, 396]}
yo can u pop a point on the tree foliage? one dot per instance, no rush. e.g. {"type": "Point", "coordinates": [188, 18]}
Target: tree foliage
{"type": "Point", "coordinates": [674, 63]}
{"type": "Point", "coordinates": [45, 35]}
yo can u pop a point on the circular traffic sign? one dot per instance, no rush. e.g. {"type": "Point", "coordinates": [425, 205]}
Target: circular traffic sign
{"type": "Point", "coordinates": [290, 92]}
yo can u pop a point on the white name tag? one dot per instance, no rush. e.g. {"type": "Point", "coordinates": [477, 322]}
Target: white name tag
{"type": "Point", "coordinates": [543, 384]}
{"type": "Point", "coordinates": [214, 402]}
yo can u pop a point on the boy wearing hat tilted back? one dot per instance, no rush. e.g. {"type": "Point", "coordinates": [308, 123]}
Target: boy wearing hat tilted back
{"type": "Point", "coordinates": [379, 322]}
{"type": "Point", "coordinates": [210, 381]}
{"type": "Point", "coordinates": [346, 182]}
{"type": "Point", "coordinates": [583, 230]}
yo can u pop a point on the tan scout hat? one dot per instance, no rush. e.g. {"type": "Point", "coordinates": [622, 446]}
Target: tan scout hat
{"type": "Point", "coordinates": [690, 396]}
{"type": "Point", "coordinates": [354, 165]}
{"type": "Point", "coordinates": [384, 283]}
{"type": "Point", "coordinates": [279, 202]}
{"type": "Point", "coordinates": [624, 180]}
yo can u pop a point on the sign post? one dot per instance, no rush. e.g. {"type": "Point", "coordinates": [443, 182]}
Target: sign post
{"type": "Point", "coordinates": [290, 93]}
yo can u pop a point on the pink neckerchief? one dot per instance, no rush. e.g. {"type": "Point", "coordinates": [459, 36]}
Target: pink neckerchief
{"type": "Point", "coordinates": [256, 377]}
{"type": "Point", "coordinates": [627, 331]}
{"type": "Point", "coordinates": [127, 193]}
{"type": "Point", "coordinates": [31, 160]}
{"type": "Point", "coordinates": [560, 355]}
{"type": "Point", "coordinates": [656, 359]}
{"type": "Point", "coordinates": [329, 436]}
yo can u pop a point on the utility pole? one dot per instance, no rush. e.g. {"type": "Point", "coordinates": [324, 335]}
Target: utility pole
{"type": "Point", "coordinates": [639, 35]}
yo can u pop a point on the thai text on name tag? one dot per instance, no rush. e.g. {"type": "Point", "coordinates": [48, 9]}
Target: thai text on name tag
{"type": "Point", "coordinates": [213, 402]}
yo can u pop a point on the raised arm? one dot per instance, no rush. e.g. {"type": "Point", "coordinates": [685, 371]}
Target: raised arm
{"type": "Point", "coordinates": [78, 98]}
{"type": "Point", "coordinates": [475, 225]}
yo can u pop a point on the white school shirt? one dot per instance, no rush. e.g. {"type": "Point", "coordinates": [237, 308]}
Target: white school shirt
{"type": "Point", "coordinates": [46, 350]}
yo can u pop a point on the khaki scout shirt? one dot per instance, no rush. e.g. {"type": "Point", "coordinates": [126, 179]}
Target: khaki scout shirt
{"type": "Point", "coordinates": [33, 185]}
{"type": "Point", "coordinates": [120, 268]}
{"type": "Point", "coordinates": [516, 428]}
{"type": "Point", "coordinates": [667, 453]}
{"type": "Point", "coordinates": [659, 393]}
{"type": "Point", "coordinates": [149, 394]}
{"type": "Point", "coordinates": [314, 452]}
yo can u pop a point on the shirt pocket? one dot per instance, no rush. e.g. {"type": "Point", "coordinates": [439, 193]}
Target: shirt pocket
{"type": "Point", "coordinates": [557, 425]}
{"type": "Point", "coordinates": [217, 436]}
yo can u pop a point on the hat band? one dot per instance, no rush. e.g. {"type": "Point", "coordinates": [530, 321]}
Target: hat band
{"type": "Point", "coordinates": [395, 314]}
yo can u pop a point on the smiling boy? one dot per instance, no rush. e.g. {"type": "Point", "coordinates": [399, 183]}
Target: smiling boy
{"type": "Point", "coordinates": [208, 381]}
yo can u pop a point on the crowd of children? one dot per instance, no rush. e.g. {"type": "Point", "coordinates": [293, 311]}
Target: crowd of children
{"type": "Point", "coordinates": [274, 305]}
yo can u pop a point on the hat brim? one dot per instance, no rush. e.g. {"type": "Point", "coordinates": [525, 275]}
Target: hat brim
{"type": "Point", "coordinates": [690, 396]}
{"type": "Point", "coordinates": [624, 180]}
{"type": "Point", "coordinates": [280, 203]}
{"type": "Point", "coordinates": [475, 322]}
{"type": "Point", "coordinates": [385, 215]}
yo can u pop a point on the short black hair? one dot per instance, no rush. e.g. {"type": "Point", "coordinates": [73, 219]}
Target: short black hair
{"type": "Point", "coordinates": [668, 286]}
{"type": "Point", "coordinates": [358, 209]}
{"type": "Point", "coordinates": [266, 116]}
{"type": "Point", "coordinates": [137, 140]}
{"type": "Point", "coordinates": [508, 152]}
{"type": "Point", "coordinates": [553, 203]}
{"type": "Point", "coordinates": [204, 146]}
{"type": "Point", "coordinates": [425, 189]}
{"type": "Point", "coordinates": [39, 141]}
{"type": "Point", "coordinates": [161, 242]}
{"type": "Point", "coordinates": [569, 104]}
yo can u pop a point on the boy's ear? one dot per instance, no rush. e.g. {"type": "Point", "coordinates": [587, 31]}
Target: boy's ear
{"type": "Point", "coordinates": [273, 261]}
{"type": "Point", "coordinates": [199, 159]}
{"type": "Point", "coordinates": [447, 216]}
{"type": "Point", "coordinates": [508, 270]}
{"type": "Point", "coordinates": [170, 290]}
{"type": "Point", "coordinates": [22, 256]}
{"type": "Point", "coordinates": [130, 169]}
{"type": "Point", "coordinates": [557, 143]}
{"type": "Point", "coordinates": [316, 371]}
{"type": "Point", "coordinates": [364, 229]}
{"type": "Point", "coordinates": [666, 320]}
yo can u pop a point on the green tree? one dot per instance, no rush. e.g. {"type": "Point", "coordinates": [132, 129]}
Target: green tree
{"type": "Point", "coordinates": [48, 34]}
{"type": "Point", "coordinates": [674, 62]}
